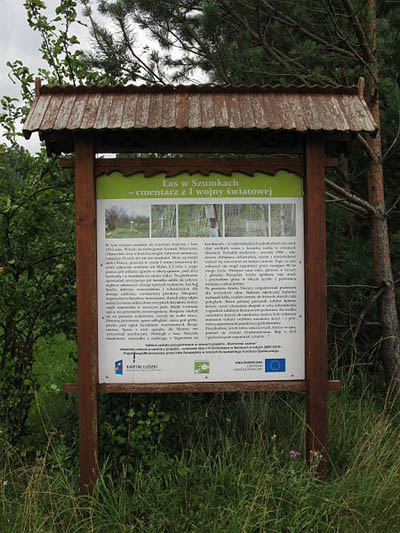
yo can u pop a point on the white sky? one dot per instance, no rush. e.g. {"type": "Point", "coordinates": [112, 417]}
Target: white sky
{"type": "Point", "coordinates": [19, 41]}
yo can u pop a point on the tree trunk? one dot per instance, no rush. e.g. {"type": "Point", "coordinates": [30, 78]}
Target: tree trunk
{"type": "Point", "coordinates": [387, 310]}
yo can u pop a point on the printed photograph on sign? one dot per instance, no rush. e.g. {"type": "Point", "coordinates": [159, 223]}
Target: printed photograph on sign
{"type": "Point", "coordinates": [127, 220]}
{"type": "Point", "coordinates": [163, 221]}
{"type": "Point", "coordinates": [246, 220]}
{"type": "Point", "coordinates": [200, 220]}
{"type": "Point", "coordinates": [283, 220]}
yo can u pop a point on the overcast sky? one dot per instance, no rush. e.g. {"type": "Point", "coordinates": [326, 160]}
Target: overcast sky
{"type": "Point", "coordinates": [19, 41]}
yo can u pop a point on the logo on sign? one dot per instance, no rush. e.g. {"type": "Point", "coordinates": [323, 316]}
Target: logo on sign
{"type": "Point", "coordinates": [202, 367]}
{"type": "Point", "coordinates": [118, 368]}
{"type": "Point", "coordinates": [275, 365]}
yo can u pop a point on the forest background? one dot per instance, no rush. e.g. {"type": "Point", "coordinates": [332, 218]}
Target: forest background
{"type": "Point", "coordinates": [231, 445]}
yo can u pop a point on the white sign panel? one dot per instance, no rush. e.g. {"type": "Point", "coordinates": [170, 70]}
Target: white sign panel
{"type": "Point", "coordinates": [200, 278]}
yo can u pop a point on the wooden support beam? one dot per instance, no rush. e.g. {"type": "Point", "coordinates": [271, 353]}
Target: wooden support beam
{"type": "Point", "coordinates": [331, 162]}
{"type": "Point", "coordinates": [315, 304]}
{"type": "Point", "coordinates": [233, 386]}
{"type": "Point", "coordinates": [86, 296]}
{"type": "Point", "coordinates": [67, 163]}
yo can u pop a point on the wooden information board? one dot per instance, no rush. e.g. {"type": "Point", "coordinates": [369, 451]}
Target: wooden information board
{"type": "Point", "coordinates": [292, 217]}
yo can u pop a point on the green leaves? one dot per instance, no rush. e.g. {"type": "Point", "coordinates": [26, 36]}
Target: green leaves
{"type": "Point", "coordinates": [37, 285]}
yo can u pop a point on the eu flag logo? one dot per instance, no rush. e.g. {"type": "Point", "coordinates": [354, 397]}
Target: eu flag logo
{"type": "Point", "coordinates": [118, 369]}
{"type": "Point", "coordinates": [275, 365]}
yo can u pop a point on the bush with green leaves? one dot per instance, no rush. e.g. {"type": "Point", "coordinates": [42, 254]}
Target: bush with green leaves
{"type": "Point", "coordinates": [37, 281]}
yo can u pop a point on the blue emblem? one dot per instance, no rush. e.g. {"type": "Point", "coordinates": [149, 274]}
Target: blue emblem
{"type": "Point", "coordinates": [275, 365]}
{"type": "Point", "coordinates": [118, 368]}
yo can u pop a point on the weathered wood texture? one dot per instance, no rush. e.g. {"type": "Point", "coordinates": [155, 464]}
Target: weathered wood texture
{"type": "Point", "coordinates": [236, 386]}
{"type": "Point", "coordinates": [301, 109]}
{"type": "Point", "coordinates": [86, 295]}
{"type": "Point", "coordinates": [315, 304]}
{"type": "Point", "coordinates": [172, 167]}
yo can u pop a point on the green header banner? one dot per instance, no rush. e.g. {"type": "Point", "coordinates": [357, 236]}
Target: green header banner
{"type": "Point", "coordinates": [238, 185]}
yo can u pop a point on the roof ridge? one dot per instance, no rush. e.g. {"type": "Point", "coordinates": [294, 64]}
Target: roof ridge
{"type": "Point", "coordinates": [201, 88]}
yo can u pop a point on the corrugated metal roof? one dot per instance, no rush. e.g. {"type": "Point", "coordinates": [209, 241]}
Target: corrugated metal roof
{"type": "Point", "coordinates": [301, 109]}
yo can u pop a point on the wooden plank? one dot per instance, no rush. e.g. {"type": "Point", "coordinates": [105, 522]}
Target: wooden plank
{"type": "Point", "coordinates": [315, 303]}
{"type": "Point", "coordinates": [331, 162]}
{"type": "Point", "coordinates": [235, 118]}
{"type": "Point", "coordinates": [86, 296]}
{"type": "Point", "coordinates": [271, 111]}
{"type": "Point", "coordinates": [237, 386]}
{"type": "Point", "coordinates": [246, 111]}
{"type": "Point", "coordinates": [168, 111]}
{"type": "Point", "coordinates": [174, 166]}
{"type": "Point", "coordinates": [91, 111]}
{"type": "Point", "coordinates": [103, 112]}
{"type": "Point", "coordinates": [142, 110]}
{"type": "Point", "coordinates": [260, 116]}
{"type": "Point", "coordinates": [78, 112]}
{"type": "Point", "coordinates": [155, 111]}
{"type": "Point", "coordinates": [295, 106]}
{"type": "Point", "coordinates": [182, 110]}
{"type": "Point", "coordinates": [38, 112]}
{"type": "Point", "coordinates": [207, 111]}
{"type": "Point", "coordinates": [194, 115]}
{"type": "Point", "coordinates": [129, 111]}
{"type": "Point", "coordinates": [52, 111]}
{"type": "Point", "coordinates": [284, 112]}
{"type": "Point", "coordinates": [116, 112]}
{"type": "Point", "coordinates": [64, 112]}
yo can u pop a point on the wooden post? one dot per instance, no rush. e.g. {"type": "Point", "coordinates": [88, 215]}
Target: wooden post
{"type": "Point", "coordinates": [315, 304]}
{"type": "Point", "coordinates": [86, 295]}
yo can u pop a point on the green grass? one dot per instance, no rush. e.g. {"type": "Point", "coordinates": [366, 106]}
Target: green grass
{"type": "Point", "coordinates": [127, 233]}
{"type": "Point", "coordinates": [223, 465]}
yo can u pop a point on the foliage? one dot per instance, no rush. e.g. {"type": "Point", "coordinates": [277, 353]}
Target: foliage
{"type": "Point", "coordinates": [200, 220]}
{"type": "Point", "coordinates": [132, 428]}
{"type": "Point", "coordinates": [163, 221]}
{"type": "Point", "coordinates": [233, 463]}
{"type": "Point", "coordinates": [231, 41]}
{"type": "Point", "coordinates": [37, 284]}
{"type": "Point", "coordinates": [59, 46]}
{"type": "Point", "coordinates": [244, 41]}
{"type": "Point", "coordinates": [61, 53]}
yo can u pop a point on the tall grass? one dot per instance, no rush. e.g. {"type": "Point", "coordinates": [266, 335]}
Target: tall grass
{"type": "Point", "coordinates": [225, 467]}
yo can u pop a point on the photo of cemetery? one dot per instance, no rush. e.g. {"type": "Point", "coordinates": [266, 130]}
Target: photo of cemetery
{"type": "Point", "coordinates": [246, 220]}
{"type": "Point", "coordinates": [200, 220]}
{"type": "Point", "coordinates": [127, 220]}
{"type": "Point", "coordinates": [283, 220]}
{"type": "Point", "coordinates": [163, 220]}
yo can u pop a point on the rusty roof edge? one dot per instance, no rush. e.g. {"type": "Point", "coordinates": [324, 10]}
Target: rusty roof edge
{"type": "Point", "coordinates": [26, 131]}
{"type": "Point", "coordinates": [368, 111]}
{"type": "Point", "coordinates": [204, 88]}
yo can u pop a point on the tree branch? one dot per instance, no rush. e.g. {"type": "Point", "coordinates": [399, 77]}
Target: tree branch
{"type": "Point", "coordinates": [362, 38]}
{"type": "Point", "coordinates": [282, 17]}
{"type": "Point", "coordinates": [346, 204]}
{"type": "Point", "coordinates": [373, 155]}
{"type": "Point", "coordinates": [352, 197]}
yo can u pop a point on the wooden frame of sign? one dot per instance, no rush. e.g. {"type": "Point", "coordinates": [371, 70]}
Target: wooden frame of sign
{"type": "Point", "coordinates": [312, 167]}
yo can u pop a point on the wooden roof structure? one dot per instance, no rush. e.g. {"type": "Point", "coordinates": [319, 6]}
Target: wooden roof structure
{"type": "Point", "coordinates": [205, 114]}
